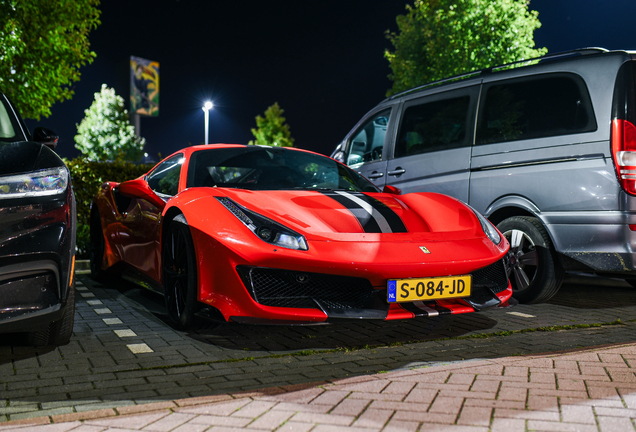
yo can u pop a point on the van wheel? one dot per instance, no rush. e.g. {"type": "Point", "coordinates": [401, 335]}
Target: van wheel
{"type": "Point", "coordinates": [533, 268]}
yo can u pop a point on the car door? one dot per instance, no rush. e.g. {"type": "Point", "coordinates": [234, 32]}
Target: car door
{"type": "Point", "coordinates": [432, 149]}
{"type": "Point", "coordinates": [141, 237]}
{"type": "Point", "coordinates": [365, 148]}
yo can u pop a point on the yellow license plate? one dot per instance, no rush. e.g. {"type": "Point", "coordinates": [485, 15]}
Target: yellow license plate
{"type": "Point", "coordinates": [423, 289]}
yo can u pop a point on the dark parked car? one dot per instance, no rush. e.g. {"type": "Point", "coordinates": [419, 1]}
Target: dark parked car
{"type": "Point", "coordinates": [37, 234]}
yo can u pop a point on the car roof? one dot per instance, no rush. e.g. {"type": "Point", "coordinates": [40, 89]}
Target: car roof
{"type": "Point", "coordinates": [191, 149]}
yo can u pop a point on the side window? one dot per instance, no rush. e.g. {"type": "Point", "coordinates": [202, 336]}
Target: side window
{"type": "Point", "coordinates": [8, 124]}
{"type": "Point", "coordinates": [367, 142]}
{"type": "Point", "coordinates": [534, 108]}
{"type": "Point", "coordinates": [164, 179]}
{"type": "Point", "coordinates": [433, 126]}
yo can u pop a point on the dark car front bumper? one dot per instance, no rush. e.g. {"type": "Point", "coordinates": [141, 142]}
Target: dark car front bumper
{"type": "Point", "coordinates": [37, 244]}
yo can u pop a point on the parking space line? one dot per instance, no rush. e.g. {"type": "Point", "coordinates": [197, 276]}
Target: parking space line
{"type": "Point", "coordinates": [139, 348]}
{"type": "Point", "coordinates": [121, 333]}
{"type": "Point", "coordinates": [125, 333]}
{"type": "Point", "coordinates": [519, 314]}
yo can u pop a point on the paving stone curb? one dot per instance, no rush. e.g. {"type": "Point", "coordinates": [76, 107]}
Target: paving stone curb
{"type": "Point", "coordinates": [326, 400]}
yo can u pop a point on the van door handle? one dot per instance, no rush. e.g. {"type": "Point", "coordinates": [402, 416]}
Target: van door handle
{"type": "Point", "coordinates": [396, 172]}
{"type": "Point", "coordinates": [375, 175]}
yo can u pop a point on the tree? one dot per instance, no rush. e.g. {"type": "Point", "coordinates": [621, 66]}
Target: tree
{"type": "Point", "coordinates": [105, 133]}
{"type": "Point", "coordinates": [272, 129]}
{"type": "Point", "coordinates": [42, 46]}
{"type": "Point", "coordinates": [442, 38]}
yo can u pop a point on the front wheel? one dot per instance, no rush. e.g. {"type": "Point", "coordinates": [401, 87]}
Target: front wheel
{"type": "Point", "coordinates": [179, 273]}
{"type": "Point", "coordinates": [533, 268]}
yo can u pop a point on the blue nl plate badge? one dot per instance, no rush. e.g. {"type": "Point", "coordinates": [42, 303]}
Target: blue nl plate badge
{"type": "Point", "coordinates": [392, 290]}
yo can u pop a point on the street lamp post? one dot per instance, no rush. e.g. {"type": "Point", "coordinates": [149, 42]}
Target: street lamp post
{"type": "Point", "coordinates": [207, 106]}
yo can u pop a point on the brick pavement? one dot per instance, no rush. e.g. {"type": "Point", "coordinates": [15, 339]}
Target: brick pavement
{"type": "Point", "coordinates": [123, 355]}
{"type": "Point", "coordinates": [580, 390]}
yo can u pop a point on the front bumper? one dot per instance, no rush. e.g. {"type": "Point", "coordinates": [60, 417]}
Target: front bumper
{"type": "Point", "coordinates": [343, 297]}
{"type": "Point", "coordinates": [30, 295]}
{"type": "Point", "coordinates": [37, 244]}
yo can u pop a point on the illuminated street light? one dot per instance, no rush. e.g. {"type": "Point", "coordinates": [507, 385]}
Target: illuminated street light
{"type": "Point", "coordinates": [207, 106]}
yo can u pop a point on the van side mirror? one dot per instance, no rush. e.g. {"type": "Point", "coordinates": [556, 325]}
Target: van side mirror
{"type": "Point", "coordinates": [45, 136]}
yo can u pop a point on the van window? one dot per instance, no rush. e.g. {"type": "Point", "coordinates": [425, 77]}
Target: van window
{"type": "Point", "coordinates": [433, 126]}
{"type": "Point", "coordinates": [535, 108]}
{"type": "Point", "coordinates": [367, 142]}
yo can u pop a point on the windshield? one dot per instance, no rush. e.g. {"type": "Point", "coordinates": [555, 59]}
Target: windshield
{"type": "Point", "coordinates": [271, 168]}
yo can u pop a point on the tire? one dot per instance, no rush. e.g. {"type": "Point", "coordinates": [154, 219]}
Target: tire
{"type": "Point", "coordinates": [179, 274]}
{"type": "Point", "coordinates": [59, 332]}
{"type": "Point", "coordinates": [532, 264]}
{"type": "Point", "coordinates": [97, 247]}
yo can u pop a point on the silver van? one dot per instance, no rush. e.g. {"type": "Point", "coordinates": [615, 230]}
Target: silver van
{"type": "Point", "coordinates": [546, 151]}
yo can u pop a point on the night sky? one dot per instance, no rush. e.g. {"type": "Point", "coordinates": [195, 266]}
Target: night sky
{"type": "Point", "coordinates": [322, 61]}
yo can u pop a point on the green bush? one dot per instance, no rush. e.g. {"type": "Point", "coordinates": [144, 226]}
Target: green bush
{"type": "Point", "coordinates": [87, 176]}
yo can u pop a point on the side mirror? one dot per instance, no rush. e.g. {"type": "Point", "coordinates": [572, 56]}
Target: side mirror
{"type": "Point", "coordinates": [391, 190]}
{"type": "Point", "coordinates": [46, 137]}
{"type": "Point", "coordinates": [138, 188]}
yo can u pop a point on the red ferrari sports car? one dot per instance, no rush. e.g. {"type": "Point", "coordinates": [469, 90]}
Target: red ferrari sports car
{"type": "Point", "coordinates": [256, 234]}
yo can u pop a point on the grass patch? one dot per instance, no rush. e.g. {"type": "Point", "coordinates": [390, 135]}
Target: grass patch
{"type": "Point", "coordinates": [345, 350]}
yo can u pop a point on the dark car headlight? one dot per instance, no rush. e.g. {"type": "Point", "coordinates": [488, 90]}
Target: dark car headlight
{"type": "Point", "coordinates": [264, 228]}
{"type": "Point", "coordinates": [489, 229]}
{"type": "Point", "coordinates": [51, 181]}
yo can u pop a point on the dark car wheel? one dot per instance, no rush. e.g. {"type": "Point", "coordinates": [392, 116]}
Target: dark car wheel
{"type": "Point", "coordinates": [179, 274]}
{"type": "Point", "coordinates": [59, 332]}
{"type": "Point", "coordinates": [96, 247]}
{"type": "Point", "coordinates": [533, 268]}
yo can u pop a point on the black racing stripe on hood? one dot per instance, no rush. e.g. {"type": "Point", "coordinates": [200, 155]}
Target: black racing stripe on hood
{"type": "Point", "coordinates": [368, 223]}
{"type": "Point", "coordinates": [396, 224]}
{"type": "Point", "coordinates": [382, 219]}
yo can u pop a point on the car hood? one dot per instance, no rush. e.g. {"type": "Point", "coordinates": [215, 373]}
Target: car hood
{"type": "Point", "coordinates": [26, 156]}
{"type": "Point", "coordinates": [329, 213]}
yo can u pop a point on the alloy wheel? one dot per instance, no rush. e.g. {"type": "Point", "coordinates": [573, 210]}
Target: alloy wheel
{"type": "Point", "coordinates": [175, 270]}
{"type": "Point", "coordinates": [522, 259]}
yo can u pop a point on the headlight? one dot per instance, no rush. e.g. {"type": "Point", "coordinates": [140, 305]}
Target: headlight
{"type": "Point", "coordinates": [264, 228]}
{"type": "Point", "coordinates": [46, 182]}
{"type": "Point", "coordinates": [488, 227]}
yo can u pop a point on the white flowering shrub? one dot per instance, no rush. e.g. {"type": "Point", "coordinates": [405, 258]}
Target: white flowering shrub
{"type": "Point", "coordinates": [106, 133]}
